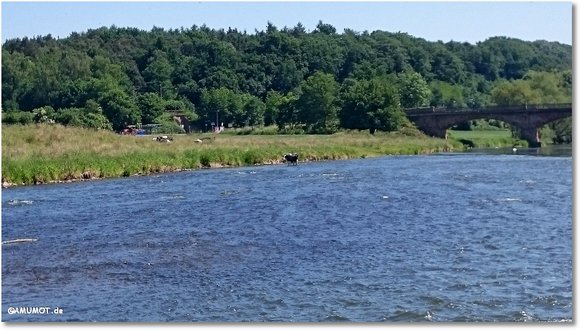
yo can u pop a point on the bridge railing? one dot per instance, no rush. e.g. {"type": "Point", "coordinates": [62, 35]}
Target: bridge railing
{"type": "Point", "coordinates": [507, 108]}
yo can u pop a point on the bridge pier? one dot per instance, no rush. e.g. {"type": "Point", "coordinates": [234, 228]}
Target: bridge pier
{"type": "Point", "coordinates": [532, 135]}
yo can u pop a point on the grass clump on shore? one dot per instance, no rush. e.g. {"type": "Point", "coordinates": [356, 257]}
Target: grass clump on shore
{"type": "Point", "coordinates": [35, 154]}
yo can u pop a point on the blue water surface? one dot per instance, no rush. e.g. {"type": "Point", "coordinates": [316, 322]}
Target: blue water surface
{"type": "Point", "coordinates": [455, 237]}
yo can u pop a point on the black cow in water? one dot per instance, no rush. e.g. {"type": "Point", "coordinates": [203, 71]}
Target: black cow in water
{"type": "Point", "coordinates": [291, 158]}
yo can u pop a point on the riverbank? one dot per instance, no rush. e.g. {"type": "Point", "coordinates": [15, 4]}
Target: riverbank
{"type": "Point", "coordinates": [38, 154]}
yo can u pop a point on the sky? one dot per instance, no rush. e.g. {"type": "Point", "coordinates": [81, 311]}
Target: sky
{"type": "Point", "coordinates": [458, 21]}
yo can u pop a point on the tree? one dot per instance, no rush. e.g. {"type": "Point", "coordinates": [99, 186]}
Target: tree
{"type": "Point", "coordinates": [446, 66]}
{"type": "Point", "coordinates": [224, 105]}
{"type": "Point", "coordinates": [535, 87]}
{"type": "Point", "coordinates": [551, 87]}
{"type": "Point", "coordinates": [371, 104]}
{"type": "Point", "coordinates": [325, 28]}
{"type": "Point", "coordinates": [446, 94]}
{"type": "Point", "coordinates": [118, 67]}
{"type": "Point", "coordinates": [94, 116]}
{"type": "Point", "coordinates": [298, 30]}
{"type": "Point", "coordinates": [167, 125]}
{"type": "Point", "coordinates": [213, 102]}
{"type": "Point", "coordinates": [512, 57]}
{"type": "Point", "coordinates": [287, 76]}
{"type": "Point", "coordinates": [254, 110]}
{"type": "Point", "coordinates": [119, 108]}
{"type": "Point", "coordinates": [413, 90]}
{"type": "Point", "coordinates": [17, 79]}
{"type": "Point", "coordinates": [287, 112]}
{"type": "Point", "coordinates": [317, 105]}
{"type": "Point", "coordinates": [514, 93]}
{"type": "Point", "coordinates": [158, 73]}
{"type": "Point", "coordinates": [151, 106]}
{"type": "Point", "coordinates": [321, 52]}
{"type": "Point", "coordinates": [273, 103]}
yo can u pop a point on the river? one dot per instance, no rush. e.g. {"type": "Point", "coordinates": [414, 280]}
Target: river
{"type": "Point", "coordinates": [448, 237]}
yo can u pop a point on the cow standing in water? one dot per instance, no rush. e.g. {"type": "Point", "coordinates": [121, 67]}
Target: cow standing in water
{"type": "Point", "coordinates": [291, 158]}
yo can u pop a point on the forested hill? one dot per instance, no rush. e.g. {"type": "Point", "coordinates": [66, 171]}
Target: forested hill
{"type": "Point", "coordinates": [122, 76]}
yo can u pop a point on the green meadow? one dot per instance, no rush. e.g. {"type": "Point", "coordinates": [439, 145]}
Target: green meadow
{"type": "Point", "coordinates": [36, 154]}
{"type": "Point", "coordinates": [486, 138]}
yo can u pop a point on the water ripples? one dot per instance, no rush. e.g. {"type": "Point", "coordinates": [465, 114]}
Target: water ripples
{"type": "Point", "coordinates": [462, 238]}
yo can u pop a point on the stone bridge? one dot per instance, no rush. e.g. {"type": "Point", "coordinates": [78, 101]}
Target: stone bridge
{"type": "Point", "coordinates": [527, 118]}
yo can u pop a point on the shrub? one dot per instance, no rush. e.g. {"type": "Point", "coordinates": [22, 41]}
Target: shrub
{"type": "Point", "coordinates": [17, 117]}
{"type": "Point", "coordinates": [81, 118]}
{"type": "Point", "coordinates": [167, 125]}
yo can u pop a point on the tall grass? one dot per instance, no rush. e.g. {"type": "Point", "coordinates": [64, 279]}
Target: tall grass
{"type": "Point", "coordinates": [47, 153]}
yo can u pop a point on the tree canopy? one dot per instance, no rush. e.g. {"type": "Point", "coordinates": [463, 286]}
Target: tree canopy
{"type": "Point", "coordinates": [319, 81]}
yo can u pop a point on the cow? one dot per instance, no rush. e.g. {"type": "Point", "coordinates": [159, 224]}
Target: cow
{"type": "Point", "coordinates": [163, 139]}
{"type": "Point", "coordinates": [291, 158]}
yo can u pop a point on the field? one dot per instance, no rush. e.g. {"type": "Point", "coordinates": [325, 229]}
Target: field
{"type": "Point", "coordinates": [485, 139]}
{"type": "Point", "coordinates": [36, 154]}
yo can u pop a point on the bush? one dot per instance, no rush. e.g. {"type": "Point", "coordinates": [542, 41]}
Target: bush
{"type": "Point", "coordinates": [43, 115]}
{"type": "Point", "coordinates": [81, 118]}
{"type": "Point", "coordinates": [268, 130]}
{"type": "Point", "coordinates": [411, 131]}
{"type": "Point", "coordinates": [291, 131]}
{"type": "Point", "coordinates": [168, 125]}
{"type": "Point", "coordinates": [17, 117]}
{"type": "Point", "coordinates": [168, 128]}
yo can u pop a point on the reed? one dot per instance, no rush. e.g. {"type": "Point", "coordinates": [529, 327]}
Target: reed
{"type": "Point", "coordinates": [37, 154]}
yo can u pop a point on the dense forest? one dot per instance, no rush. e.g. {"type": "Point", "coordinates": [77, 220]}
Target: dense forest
{"type": "Point", "coordinates": [309, 81]}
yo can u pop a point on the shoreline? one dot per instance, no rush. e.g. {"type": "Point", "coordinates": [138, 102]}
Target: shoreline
{"type": "Point", "coordinates": [168, 170]}
{"type": "Point", "coordinates": [7, 185]}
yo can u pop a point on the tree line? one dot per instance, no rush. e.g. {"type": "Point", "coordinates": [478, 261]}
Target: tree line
{"type": "Point", "coordinates": [315, 81]}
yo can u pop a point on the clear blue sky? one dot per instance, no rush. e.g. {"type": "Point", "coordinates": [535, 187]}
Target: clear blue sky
{"type": "Point", "coordinates": [458, 21]}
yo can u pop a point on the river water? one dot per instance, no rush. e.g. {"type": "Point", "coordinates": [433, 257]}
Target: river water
{"type": "Point", "coordinates": [448, 237]}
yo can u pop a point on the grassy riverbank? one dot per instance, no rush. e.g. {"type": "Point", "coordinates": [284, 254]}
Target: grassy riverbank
{"type": "Point", "coordinates": [486, 139]}
{"type": "Point", "coordinates": [51, 153]}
